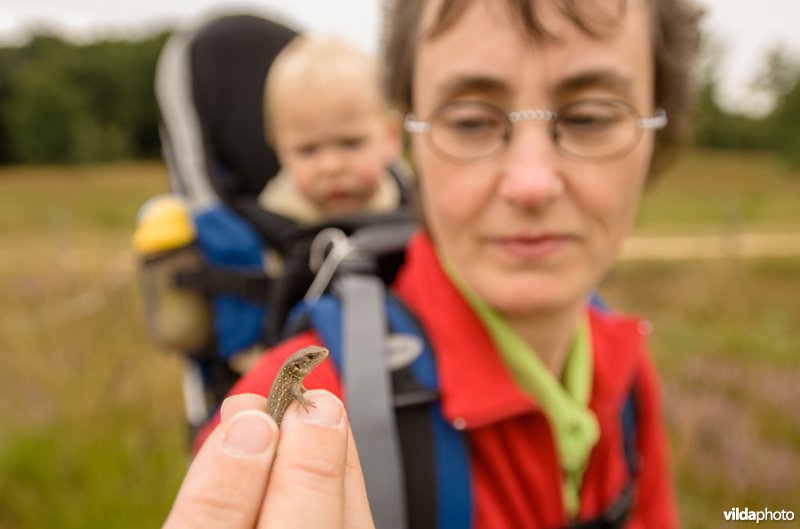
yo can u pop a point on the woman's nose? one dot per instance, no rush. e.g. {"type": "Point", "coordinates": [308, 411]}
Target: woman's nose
{"type": "Point", "coordinates": [530, 168]}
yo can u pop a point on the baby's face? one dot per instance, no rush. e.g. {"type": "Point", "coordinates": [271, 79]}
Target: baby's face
{"type": "Point", "coordinates": [335, 147]}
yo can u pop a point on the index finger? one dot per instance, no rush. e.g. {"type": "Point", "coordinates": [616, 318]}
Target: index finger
{"type": "Point", "coordinates": [307, 486]}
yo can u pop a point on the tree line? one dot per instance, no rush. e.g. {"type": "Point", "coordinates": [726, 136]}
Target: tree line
{"type": "Point", "coordinates": [777, 131]}
{"type": "Point", "coordinates": [68, 103]}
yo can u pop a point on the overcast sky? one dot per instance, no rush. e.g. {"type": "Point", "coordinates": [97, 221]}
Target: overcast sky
{"type": "Point", "coordinates": [745, 28]}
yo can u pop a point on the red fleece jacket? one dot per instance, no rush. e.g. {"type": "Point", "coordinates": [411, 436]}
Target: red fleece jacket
{"type": "Point", "coordinates": [515, 472]}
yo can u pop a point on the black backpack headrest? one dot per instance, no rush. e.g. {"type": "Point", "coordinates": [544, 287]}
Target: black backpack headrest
{"type": "Point", "coordinates": [230, 57]}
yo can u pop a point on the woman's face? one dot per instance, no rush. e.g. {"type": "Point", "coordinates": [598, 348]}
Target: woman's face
{"type": "Point", "coordinates": [531, 231]}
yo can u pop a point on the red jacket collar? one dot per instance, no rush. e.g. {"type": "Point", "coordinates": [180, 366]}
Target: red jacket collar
{"type": "Point", "coordinates": [476, 387]}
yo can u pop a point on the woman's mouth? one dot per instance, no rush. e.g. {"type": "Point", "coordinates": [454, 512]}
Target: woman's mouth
{"type": "Point", "coordinates": [534, 248]}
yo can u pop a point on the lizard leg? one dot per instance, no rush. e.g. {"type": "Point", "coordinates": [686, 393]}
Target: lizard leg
{"type": "Point", "coordinates": [299, 395]}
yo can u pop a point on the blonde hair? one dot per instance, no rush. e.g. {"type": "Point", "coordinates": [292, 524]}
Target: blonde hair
{"type": "Point", "coordinates": [322, 65]}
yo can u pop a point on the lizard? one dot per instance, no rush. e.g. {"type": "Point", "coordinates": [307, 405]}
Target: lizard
{"type": "Point", "coordinates": [288, 383]}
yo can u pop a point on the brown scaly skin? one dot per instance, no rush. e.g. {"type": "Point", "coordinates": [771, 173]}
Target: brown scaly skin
{"type": "Point", "coordinates": [288, 383]}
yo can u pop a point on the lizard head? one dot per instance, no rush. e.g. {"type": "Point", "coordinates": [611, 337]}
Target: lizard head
{"type": "Point", "coordinates": [308, 358]}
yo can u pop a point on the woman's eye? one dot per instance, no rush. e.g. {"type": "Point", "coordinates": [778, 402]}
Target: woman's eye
{"type": "Point", "coordinates": [472, 125]}
{"type": "Point", "coordinates": [591, 118]}
{"type": "Point", "coordinates": [589, 122]}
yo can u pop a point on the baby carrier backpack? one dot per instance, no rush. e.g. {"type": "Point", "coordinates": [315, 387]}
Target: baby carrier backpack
{"type": "Point", "coordinates": [203, 247]}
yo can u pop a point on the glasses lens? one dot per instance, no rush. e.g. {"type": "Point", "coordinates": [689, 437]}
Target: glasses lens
{"type": "Point", "coordinates": [468, 130]}
{"type": "Point", "coordinates": [597, 129]}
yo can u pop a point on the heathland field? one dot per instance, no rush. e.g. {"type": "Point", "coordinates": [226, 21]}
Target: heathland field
{"type": "Point", "coordinates": [93, 434]}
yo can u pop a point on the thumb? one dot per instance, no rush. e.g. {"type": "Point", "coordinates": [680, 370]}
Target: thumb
{"type": "Point", "coordinates": [225, 485]}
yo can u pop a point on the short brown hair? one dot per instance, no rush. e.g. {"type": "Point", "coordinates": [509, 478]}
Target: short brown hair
{"type": "Point", "coordinates": [676, 39]}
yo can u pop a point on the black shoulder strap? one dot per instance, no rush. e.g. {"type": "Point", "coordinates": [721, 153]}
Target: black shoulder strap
{"type": "Point", "coordinates": [628, 417]}
{"type": "Point", "coordinates": [616, 515]}
{"type": "Point", "coordinates": [436, 456]}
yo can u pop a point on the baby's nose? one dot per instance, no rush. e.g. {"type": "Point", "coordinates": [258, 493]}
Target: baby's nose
{"type": "Point", "coordinates": [331, 161]}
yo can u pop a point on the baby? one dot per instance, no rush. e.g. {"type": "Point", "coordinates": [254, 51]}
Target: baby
{"type": "Point", "coordinates": [332, 130]}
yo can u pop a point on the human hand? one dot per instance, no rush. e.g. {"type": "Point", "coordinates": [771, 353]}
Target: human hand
{"type": "Point", "coordinates": [236, 481]}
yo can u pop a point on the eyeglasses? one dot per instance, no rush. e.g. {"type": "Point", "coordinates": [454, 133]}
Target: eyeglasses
{"type": "Point", "coordinates": [590, 129]}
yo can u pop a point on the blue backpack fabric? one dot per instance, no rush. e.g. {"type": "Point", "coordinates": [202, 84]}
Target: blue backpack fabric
{"type": "Point", "coordinates": [230, 243]}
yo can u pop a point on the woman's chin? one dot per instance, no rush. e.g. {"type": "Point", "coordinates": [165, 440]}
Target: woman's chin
{"type": "Point", "coordinates": [532, 299]}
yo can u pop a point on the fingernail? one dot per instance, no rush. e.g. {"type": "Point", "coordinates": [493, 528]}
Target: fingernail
{"type": "Point", "coordinates": [250, 433]}
{"type": "Point", "coordinates": [327, 411]}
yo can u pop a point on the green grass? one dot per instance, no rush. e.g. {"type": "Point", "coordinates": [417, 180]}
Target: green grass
{"type": "Point", "coordinates": [93, 431]}
{"type": "Point", "coordinates": [713, 191]}
{"type": "Point", "coordinates": [95, 199]}
{"type": "Point", "coordinates": [725, 340]}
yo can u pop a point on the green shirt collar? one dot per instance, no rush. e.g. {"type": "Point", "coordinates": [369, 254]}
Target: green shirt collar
{"type": "Point", "coordinates": [566, 405]}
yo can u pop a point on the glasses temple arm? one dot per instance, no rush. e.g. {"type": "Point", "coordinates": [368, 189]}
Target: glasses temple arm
{"type": "Point", "coordinates": [658, 121]}
{"type": "Point", "coordinates": [411, 124]}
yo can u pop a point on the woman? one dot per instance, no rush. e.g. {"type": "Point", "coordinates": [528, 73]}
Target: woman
{"type": "Point", "coordinates": [534, 126]}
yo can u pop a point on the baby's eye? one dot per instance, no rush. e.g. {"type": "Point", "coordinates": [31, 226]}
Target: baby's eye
{"type": "Point", "coordinates": [352, 142]}
{"type": "Point", "coordinates": [307, 150]}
